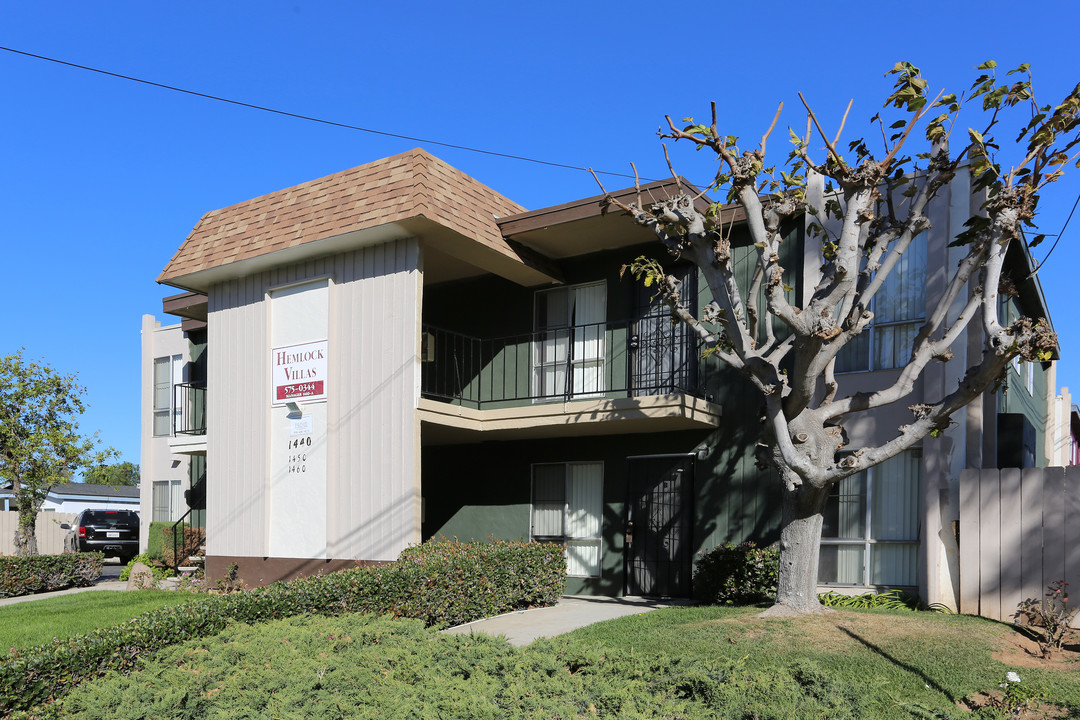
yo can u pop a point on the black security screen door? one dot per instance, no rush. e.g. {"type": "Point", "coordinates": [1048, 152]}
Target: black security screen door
{"type": "Point", "coordinates": [663, 354]}
{"type": "Point", "coordinates": [659, 544]}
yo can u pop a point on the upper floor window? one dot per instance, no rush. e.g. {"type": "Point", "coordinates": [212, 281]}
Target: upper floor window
{"type": "Point", "coordinates": [568, 341]}
{"type": "Point", "coordinates": [168, 371]}
{"type": "Point", "coordinates": [899, 307]}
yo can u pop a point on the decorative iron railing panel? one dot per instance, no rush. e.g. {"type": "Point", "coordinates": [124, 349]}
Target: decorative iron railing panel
{"type": "Point", "coordinates": [189, 409]}
{"type": "Point", "coordinates": [614, 359]}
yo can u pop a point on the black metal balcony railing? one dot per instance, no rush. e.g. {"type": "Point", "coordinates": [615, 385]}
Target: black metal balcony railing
{"type": "Point", "coordinates": [189, 409]}
{"type": "Point", "coordinates": [636, 358]}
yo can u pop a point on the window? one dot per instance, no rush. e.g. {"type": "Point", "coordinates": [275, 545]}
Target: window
{"type": "Point", "coordinates": [166, 501]}
{"type": "Point", "coordinates": [871, 531]}
{"type": "Point", "coordinates": [567, 507]}
{"type": "Point", "coordinates": [168, 371]}
{"type": "Point", "coordinates": [898, 307]}
{"type": "Point", "coordinates": [568, 342]}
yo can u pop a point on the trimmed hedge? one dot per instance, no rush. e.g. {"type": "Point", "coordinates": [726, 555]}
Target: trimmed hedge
{"type": "Point", "coordinates": [44, 573]}
{"type": "Point", "coordinates": [736, 574]}
{"type": "Point", "coordinates": [440, 583]}
{"type": "Point", "coordinates": [155, 540]}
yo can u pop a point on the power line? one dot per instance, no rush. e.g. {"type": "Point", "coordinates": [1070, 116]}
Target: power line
{"type": "Point", "coordinates": [307, 117]}
{"type": "Point", "coordinates": [1056, 240]}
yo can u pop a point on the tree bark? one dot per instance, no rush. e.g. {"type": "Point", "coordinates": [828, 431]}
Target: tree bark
{"type": "Point", "coordinates": [26, 533]}
{"type": "Point", "coordinates": [800, 542]}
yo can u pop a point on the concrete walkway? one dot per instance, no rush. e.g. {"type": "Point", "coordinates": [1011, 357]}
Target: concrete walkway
{"type": "Point", "coordinates": [99, 585]}
{"type": "Point", "coordinates": [572, 612]}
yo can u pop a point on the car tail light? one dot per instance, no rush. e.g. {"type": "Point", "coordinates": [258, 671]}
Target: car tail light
{"type": "Point", "coordinates": [82, 531]}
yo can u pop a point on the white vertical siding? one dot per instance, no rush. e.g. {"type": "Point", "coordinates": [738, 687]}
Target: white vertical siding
{"type": "Point", "coordinates": [372, 466]}
{"type": "Point", "coordinates": [237, 410]}
{"type": "Point", "coordinates": [373, 492]}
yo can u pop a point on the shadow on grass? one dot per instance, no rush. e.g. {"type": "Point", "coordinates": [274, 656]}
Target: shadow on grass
{"type": "Point", "coordinates": [929, 681]}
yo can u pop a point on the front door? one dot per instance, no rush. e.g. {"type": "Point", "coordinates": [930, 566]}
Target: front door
{"type": "Point", "coordinates": [659, 531]}
{"type": "Point", "coordinates": [663, 353]}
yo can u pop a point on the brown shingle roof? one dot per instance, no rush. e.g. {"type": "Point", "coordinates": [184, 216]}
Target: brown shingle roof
{"type": "Point", "coordinates": [396, 188]}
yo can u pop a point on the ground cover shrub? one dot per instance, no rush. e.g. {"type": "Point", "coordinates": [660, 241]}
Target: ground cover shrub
{"type": "Point", "coordinates": [736, 574]}
{"type": "Point", "coordinates": [368, 667]}
{"type": "Point", "coordinates": [436, 583]}
{"type": "Point", "coordinates": [45, 573]}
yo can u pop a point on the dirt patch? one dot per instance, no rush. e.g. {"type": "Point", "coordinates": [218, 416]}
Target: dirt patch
{"type": "Point", "coordinates": [1017, 649]}
{"type": "Point", "coordinates": [1037, 711]}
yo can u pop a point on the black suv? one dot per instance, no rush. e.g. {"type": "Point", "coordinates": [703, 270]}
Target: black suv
{"type": "Point", "coordinates": [112, 532]}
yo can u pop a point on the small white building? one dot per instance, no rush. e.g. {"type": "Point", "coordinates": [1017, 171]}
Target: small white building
{"type": "Point", "coordinates": [76, 497]}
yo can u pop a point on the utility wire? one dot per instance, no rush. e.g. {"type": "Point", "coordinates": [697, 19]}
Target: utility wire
{"type": "Point", "coordinates": [1057, 239]}
{"type": "Point", "coordinates": [307, 117]}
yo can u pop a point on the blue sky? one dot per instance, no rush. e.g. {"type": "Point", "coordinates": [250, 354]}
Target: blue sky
{"type": "Point", "coordinates": [103, 178]}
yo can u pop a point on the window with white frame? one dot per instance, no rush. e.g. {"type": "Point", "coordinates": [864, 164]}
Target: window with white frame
{"type": "Point", "coordinates": [568, 345]}
{"type": "Point", "coordinates": [899, 306]}
{"type": "Point", "coordinates": [870, 534]}
{"type": "Point", "coordinates": [168, 372]}
{"type": "Point", "coordinates": [166, 500]}
{"type": "Point", "coordinates": [567, 507]}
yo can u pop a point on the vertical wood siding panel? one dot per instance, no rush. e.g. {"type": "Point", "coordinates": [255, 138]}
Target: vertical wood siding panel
{"type": "Point", "coordinates": [1032, 500]}
{"type": "Point", "coordinates": [365, 431]}
{"type": "Point", "coordinates": [1011, 541]}
{"type": "Point", "coordinates": [990, 547]}
{"type": "Point", "coordinates": [336, 485]}
{"type": "Point", "coordinates": [1072, 531]}
{"type": "Point", "coordinates": [236, 457]}
{"type": "Point", "coordinates": [1053, 526]}
{"type": "Point", "coordinates": [371, 460]}
{"type": "Point", "coordinates": [970, 482]}
{"type": "Point", "coordinates": [383, 472]}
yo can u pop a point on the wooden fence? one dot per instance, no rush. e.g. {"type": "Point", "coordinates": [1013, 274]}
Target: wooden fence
{"type": "Point", "coordinates": [50, 535]}
{"type": "Point", "coordinates": [1019, 532]}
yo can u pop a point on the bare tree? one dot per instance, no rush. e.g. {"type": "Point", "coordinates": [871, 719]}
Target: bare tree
{"type": "Point", "coordinates": [865, 220]}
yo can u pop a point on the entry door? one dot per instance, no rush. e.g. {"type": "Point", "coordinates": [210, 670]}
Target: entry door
{"type": "Point", "coordinates": [660, 526]}
{"type": "Point", "coordinates": [663, 357]}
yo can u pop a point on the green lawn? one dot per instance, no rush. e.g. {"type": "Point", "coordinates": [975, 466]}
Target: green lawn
{"type": "Point", "coordinates": [678, 663]}
{"type": "Point", "coordinates": [36, 622]}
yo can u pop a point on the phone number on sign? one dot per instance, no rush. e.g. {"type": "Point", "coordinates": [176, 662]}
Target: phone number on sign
{"type": "Point", "coordinates": [287, 392]}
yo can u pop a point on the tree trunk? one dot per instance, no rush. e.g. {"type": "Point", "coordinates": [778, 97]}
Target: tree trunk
{"type": "Point", "coordinates": [800, 546]}
{"type": "Point", "coordinates": [26, 533]}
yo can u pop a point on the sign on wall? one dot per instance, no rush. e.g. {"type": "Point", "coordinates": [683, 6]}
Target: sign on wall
{"type": "Point", "coordinates": [298, 372]}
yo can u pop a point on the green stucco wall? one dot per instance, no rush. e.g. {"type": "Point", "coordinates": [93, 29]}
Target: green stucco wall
{"type": "Point", "coordinates": [481, 490]}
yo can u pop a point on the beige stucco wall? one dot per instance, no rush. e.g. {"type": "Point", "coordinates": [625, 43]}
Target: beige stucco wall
{"type": "Point", "coordinates": [944, 457]}
{"type": "Point", "coordinates": [156, 461]}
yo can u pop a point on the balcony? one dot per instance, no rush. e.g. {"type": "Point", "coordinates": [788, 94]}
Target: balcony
{"type": "Point", "coordinates": [600, 378]}
{"type": "Point", "coordinates": [189, 419]}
